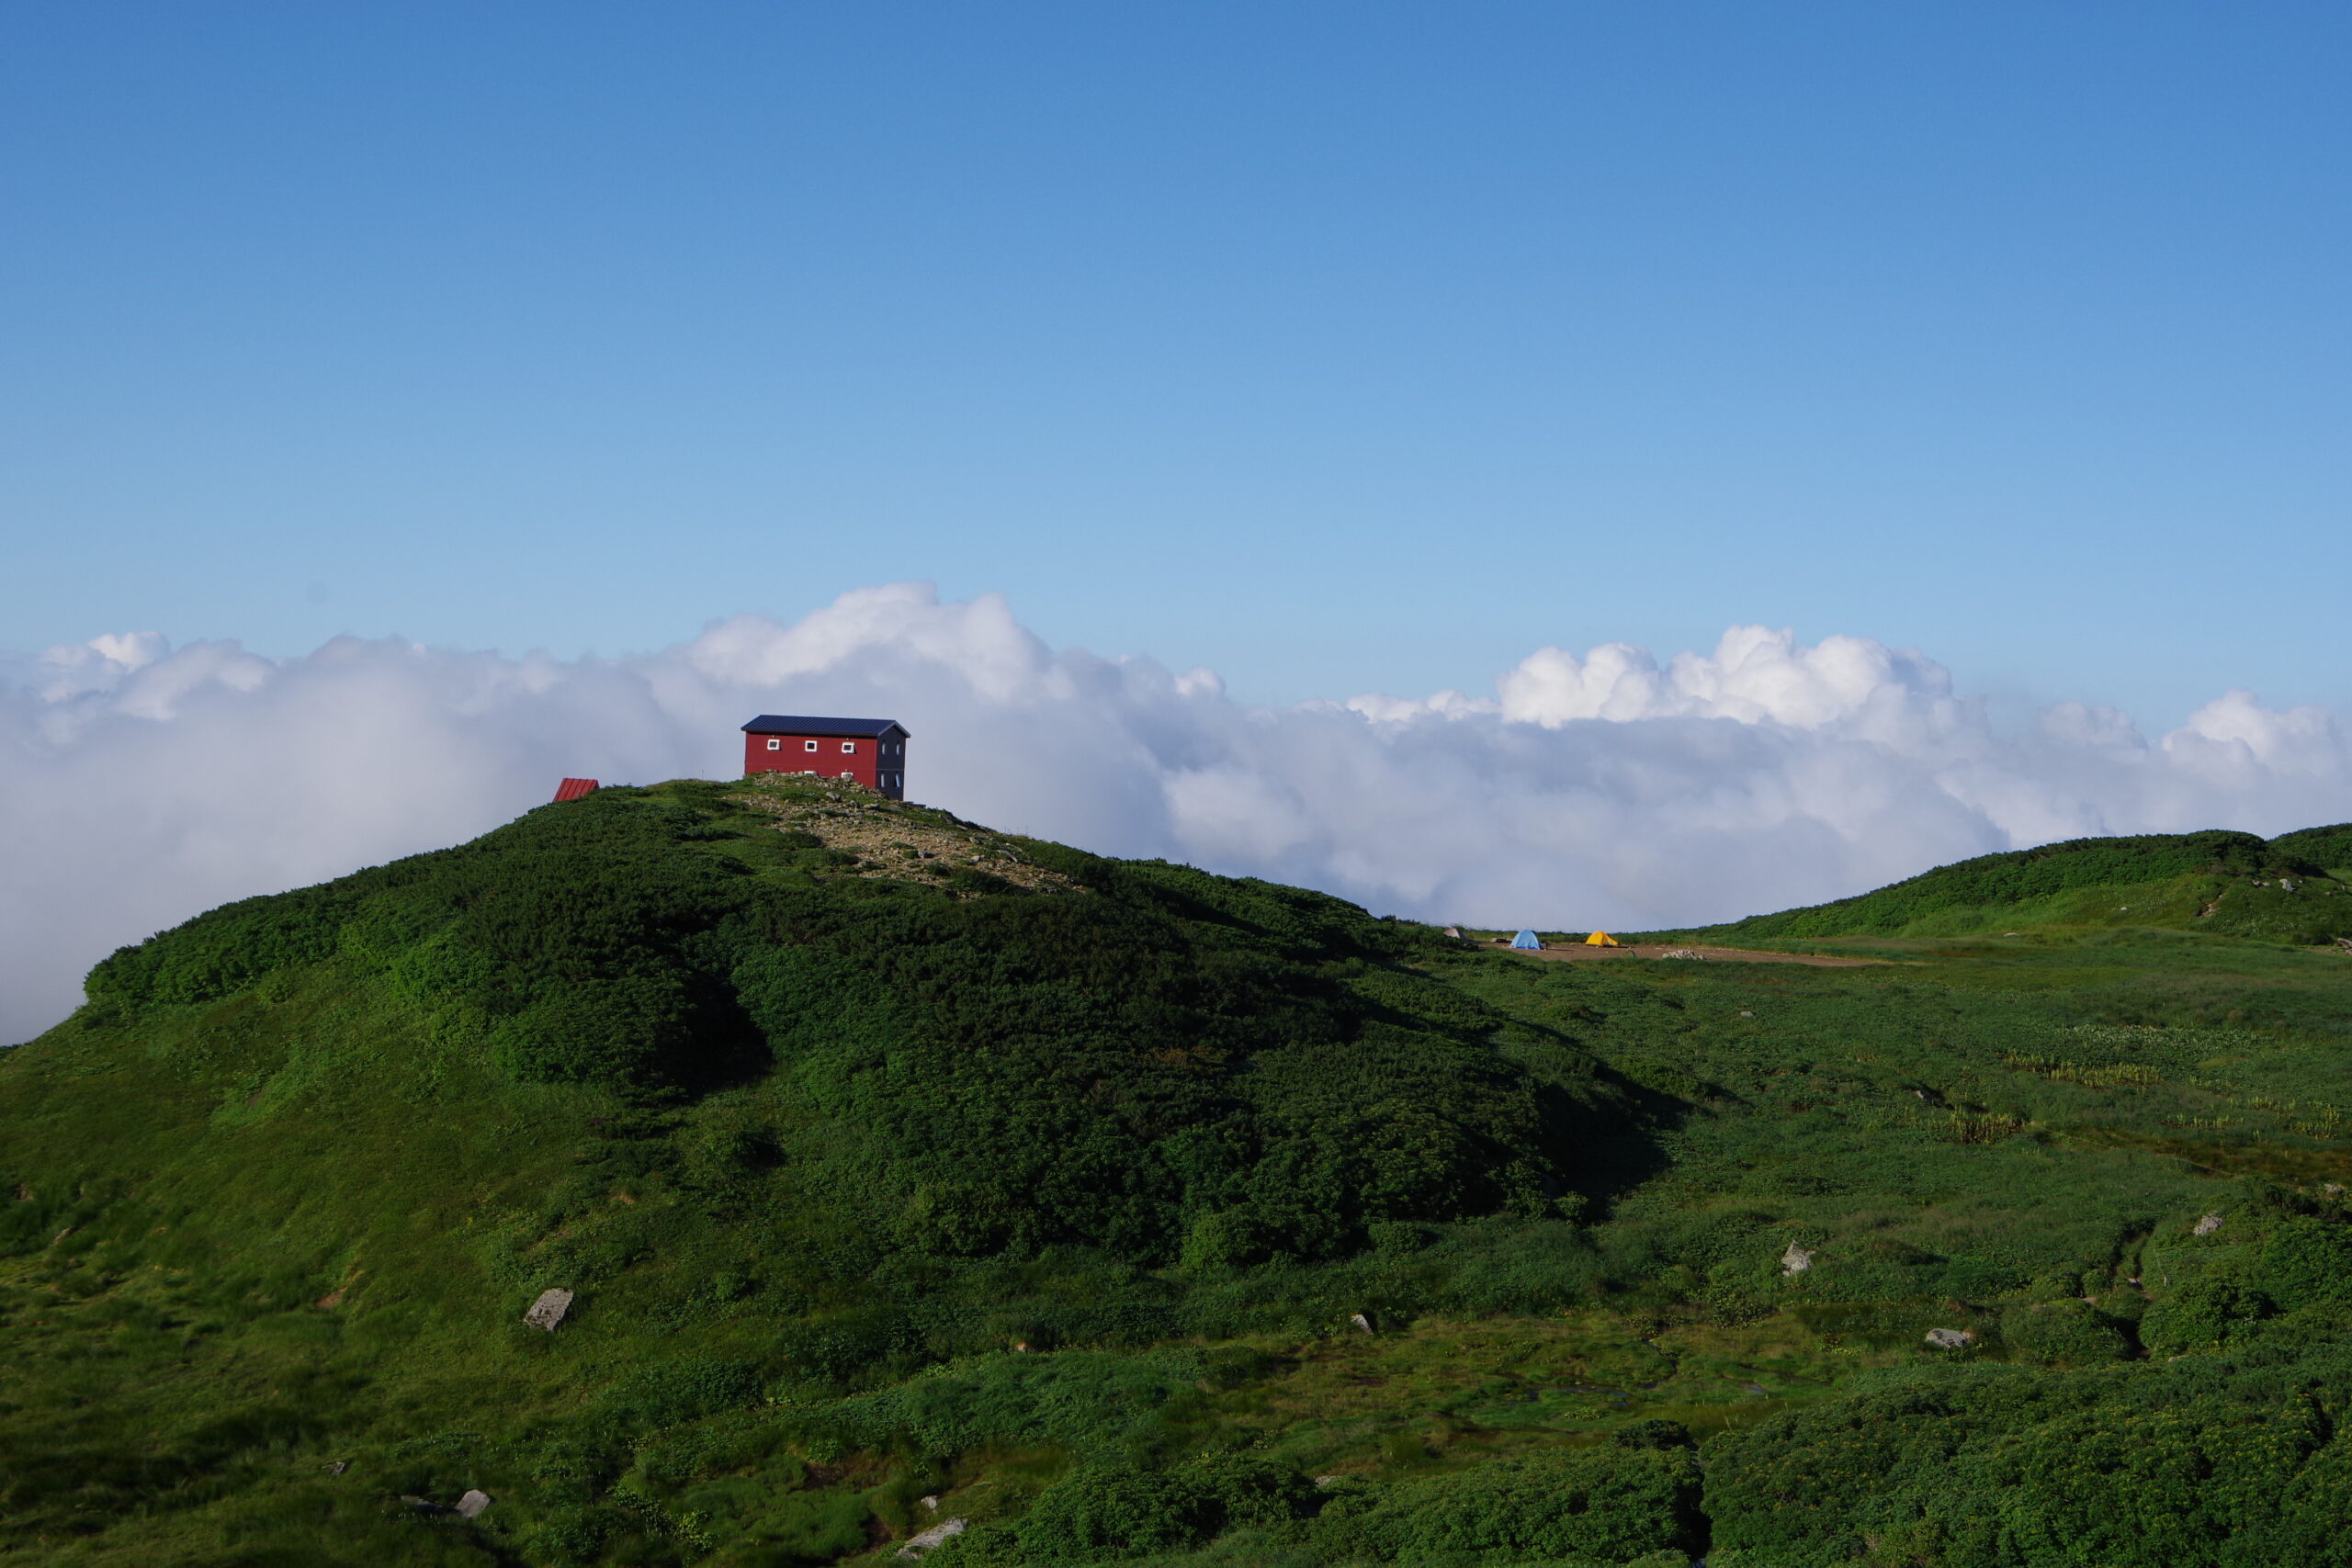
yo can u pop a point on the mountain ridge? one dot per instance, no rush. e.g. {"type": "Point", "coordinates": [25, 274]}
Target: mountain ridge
{"type": "Point", "coordinates": [2295, 888]}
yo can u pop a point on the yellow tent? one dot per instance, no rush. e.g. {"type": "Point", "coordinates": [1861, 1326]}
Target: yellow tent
{"type": "Point", "coordinates": [1601, 939]}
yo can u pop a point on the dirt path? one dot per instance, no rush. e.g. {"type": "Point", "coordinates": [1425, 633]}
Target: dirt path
{"type": "Point", "coordinates": [887, 838]}
{"type": "Point", "coordinates": [1659, 950]}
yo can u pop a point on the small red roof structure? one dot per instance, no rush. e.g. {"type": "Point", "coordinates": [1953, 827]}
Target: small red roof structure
{"type": "Point", "coordinates": [572, 789]}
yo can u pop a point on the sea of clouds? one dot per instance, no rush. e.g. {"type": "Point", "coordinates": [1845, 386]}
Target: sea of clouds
{"type": "Point", "coordinates": [141, 783]}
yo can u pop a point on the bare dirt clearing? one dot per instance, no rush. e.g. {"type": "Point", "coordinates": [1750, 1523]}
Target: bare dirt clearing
{"type": "Point", "coordinates": [1684, 953]}
{"type": "Point", "coordinates": [892, 839]}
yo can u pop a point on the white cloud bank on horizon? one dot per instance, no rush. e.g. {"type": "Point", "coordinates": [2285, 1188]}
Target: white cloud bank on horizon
{"type": "Point", "coordinates": [140, 785]}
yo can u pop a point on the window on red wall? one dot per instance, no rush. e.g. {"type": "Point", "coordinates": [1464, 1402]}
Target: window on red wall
{"type": "Point", "coordinates": [810, 744]}
{"type": "Point", "coordinates": [848, 746]}
{"type": "Point", "coordinates": [775, 745]}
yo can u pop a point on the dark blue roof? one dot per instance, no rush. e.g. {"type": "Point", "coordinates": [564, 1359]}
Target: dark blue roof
{"type": "Point", "coordinates": [798, 723]}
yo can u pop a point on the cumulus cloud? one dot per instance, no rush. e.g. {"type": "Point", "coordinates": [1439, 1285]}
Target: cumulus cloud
{"type": "Point", "coordinates": [143, 783]}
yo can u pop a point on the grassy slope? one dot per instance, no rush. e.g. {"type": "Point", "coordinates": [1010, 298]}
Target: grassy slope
{"type": "Point", "coordinates": [282, 1215]}
{"type": "Point", "coordinates": [294, 1224]}
{"type": "Point", "coordinates": [2229, 884]}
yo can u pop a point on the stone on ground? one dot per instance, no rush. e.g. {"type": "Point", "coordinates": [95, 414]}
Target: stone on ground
{"type": "Point", "coordinates": [932, 1539]}
{"type": "Point", "coordinates": [548, 1310]}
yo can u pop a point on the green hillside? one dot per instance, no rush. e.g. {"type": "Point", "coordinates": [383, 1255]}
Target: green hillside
{"type": "Point", "coordinates": [2230, 883]}
{"type": "Point", "coordinates": [2328, 846]}
{"type": "Point", "coordinates": [904, 1172]}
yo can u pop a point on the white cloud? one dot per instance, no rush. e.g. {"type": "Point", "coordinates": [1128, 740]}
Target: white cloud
{"type": "Point", "coordinates": [141, 783]}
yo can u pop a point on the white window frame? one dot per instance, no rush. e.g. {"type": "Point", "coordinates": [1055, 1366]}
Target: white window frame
{"type": "Point", "coordinates": [774, 744]}
{"type": "Point", "coordinates": [809, 745]}
{"type": "Point", "coordinates": [849, 748]}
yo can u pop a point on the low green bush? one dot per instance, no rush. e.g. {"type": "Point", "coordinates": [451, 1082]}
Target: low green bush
{"type": "Point", "coordinates": [2214, 1310]}
{"type": "Point", "coordinates": [1608, 1504]}
{"type": "Point", "coordinates": [2065, 1333]}
{"type": "Point", "coordinates": [2208, 1459]}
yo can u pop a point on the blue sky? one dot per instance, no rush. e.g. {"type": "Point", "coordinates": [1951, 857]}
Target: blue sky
{"type": "Point", "coordinates": [1338, 347]}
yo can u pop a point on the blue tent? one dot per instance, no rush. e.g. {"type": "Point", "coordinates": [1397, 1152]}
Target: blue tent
{"type": "Point", "coordinates": [1526, 940]}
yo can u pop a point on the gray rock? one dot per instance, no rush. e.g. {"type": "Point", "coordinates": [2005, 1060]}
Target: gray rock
{"type": "Point", "coordinates": [2207, 1226]}
{"type": "Point", "coordinates": [937, 1536]}
{"type": "Point", "coordinates": [1683, 953]}
{"type": "Point", "coordinates": [548, 1310]}
{"type": "Point", "coordinates": [472, 1503]}
{"type": "Point", "coordinates": [931, 1503]}
{"type": "Point", "coordinates": [1795, 1261]}
{"type": "Point", "coordinates": [1950, 1338]}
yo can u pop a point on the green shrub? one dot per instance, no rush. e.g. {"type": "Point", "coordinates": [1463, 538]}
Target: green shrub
{"type": "Point", "coordinates": [1233, 1239]}
{"type": "Point", "coordinates": [1098, 1403]}
{"type": "Point", "coordinates": [1399, 1238]}
{"type": "Point", "coordinates": [669, 1391]}
{"type": "Point", "coordinates": [2210, 1310]}
{"type": "Point", "coordinates": [1104, 1512]}
{"type": "Point", "coordinates": [2065, 1333]}
{"type": "Point", "coordinates": [2209, 1459]}
{"type": "Point", "coordinates": [1652, 1434]}
{"type": "Point", "coordinates": [1099, 1514]}
{"type": "Point", "coordinates": [2305, 1261]}
{"type": "Point", "coordinates": [227, 948]}
{"type": "Point", "coordinates": [1252, 1491]}
{"type": "Point", "coordinates": [2328, 847]}
{"type": "Point", "coordinates": [1610, 1504]}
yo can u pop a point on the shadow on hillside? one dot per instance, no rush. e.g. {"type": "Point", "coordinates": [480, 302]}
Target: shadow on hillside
{"type": "Point", "coordinates": [1619, 1142]}
{"type": "Point", "coordinates": [725, 1049]}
